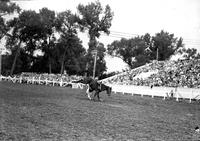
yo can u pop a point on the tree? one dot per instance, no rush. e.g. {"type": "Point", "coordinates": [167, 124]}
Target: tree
{"type": "Point", "coordinates": [100, 62]}
{"type": "Point", "coordinates": [69, 45]}
{"type": "Point", "coordinates": [166, 45]}
{"type": "Point", "coordinates": [69, 51]}
{"type": "Point", "coordinates": [48, 23]}
{"type": "Point", "coordinates": [94, 19]}
{"type": "Point", "coordinates": [189, 53]}
{"type": "Point", "coordinates": [26, 30]}
{"type": "Point", "coordinates": [132, 51]}
{"type": "Point", "coordinates": [142, 49]}
{"type": "Point", "coordinates": [6, 8]}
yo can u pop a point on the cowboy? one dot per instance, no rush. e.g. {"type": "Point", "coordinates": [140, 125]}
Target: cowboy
{"type": "Point", "coordinates": [89, 81]}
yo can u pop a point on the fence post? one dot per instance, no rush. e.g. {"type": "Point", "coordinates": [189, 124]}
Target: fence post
{"type": "Point", "coordinates": [177, 97]}
{"type": "Point", "coordinates": [53, 82]}
{"type": "Point", "coordinates": [27, 80]}
{"type": "Point", "coordinates": [61, 82]}
{"type": "Point", "coordinates": [46, 81]}
{"type": "Point", "coordinates": [20, 79]}
{"type": "Point", "coordinates": [33, 80]}
{"type": "Point", "coordinates": [39, 79]}
{"type": "Point", "coordinates": [14, 79]}
{"type": "Point", "coordinates": [164, 97]}
{"type": "Point", "coordinates": [191, 97]}
{"type": "Point", "coordinates": [152, 96]}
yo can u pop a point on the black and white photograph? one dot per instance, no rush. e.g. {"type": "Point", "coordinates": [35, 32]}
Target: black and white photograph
{"type": "Point", "coordinates": [99, 70]}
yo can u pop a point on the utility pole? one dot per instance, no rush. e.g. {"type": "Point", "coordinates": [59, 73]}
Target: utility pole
{"type": "Point", "coordinates": [1, 51]}
{"type": "Point", "coordinates": [95, 62]}
{"type": "Point", "coordinates": [0, 63]}
{"type": "Point", "coordinates": [86, 69]}
{"type": "Point", "coordinates": [157, 54]}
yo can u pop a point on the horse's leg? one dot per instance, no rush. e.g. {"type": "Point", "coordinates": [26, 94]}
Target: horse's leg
{"type": "Point", "coordinates": [87, 90]}
{"type": "Point", "coordinates": [88, 94]}
{"type": "Point", "coordinates": [97, 93]}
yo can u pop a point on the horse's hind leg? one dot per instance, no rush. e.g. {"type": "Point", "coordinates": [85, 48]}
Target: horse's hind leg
{"type": "Point", "coordinates": [88, 94]}
{"type": "Point", "coordinates": [98, 97]}
{"type": "Point", "coordinates": [87, 90]}
{"type": "Point", "coordinates": [95, 94]}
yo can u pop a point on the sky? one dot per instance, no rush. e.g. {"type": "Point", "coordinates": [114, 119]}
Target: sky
{"type": "Point", "coordinates": [137, 17]}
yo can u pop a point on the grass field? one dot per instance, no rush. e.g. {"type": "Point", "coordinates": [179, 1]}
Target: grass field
{"type": "Point", "coordinates": [37, 112]}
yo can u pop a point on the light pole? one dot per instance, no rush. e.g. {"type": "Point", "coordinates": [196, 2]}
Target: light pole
{"type": "Point", "coordinates": [95, 62]}
{"type": "Point", "coordinates": [157, 54]}
{"type": "Point", "coordinates": [0, 62]}
{"type": "Point", "coordinates": [1, 51]}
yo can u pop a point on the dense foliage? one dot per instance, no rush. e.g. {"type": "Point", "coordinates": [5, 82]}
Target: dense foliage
{"type": "Point", "coordinates": [143, 49]}
{"type": "Point", "coordinates": [48, 42]}
{"type": "Point", "coordinates": [55, 37]}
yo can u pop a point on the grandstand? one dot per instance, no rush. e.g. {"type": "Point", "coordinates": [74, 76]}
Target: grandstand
{"type": "Point", "coordinates": [181, 73]}
{"type": "Point", "coordinates": [181, 76]}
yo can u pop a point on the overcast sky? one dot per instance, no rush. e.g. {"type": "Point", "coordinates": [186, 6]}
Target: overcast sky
{"type": "Point", "coordinates": [137, 17]}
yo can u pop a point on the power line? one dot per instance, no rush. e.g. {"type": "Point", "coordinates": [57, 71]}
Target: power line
{"type": "Point", "coordinates": [124, 36]}
{"type": "Point", "coordinates": [21, 0]}
{"type": "Point", "coordinates": [120, 36]}
{"type": "Point", "coordinates": [117, 34]}
{"type": "Point", "coordinates": [124, 33]}
{"type": "Point", "coordinates": [194, 42]}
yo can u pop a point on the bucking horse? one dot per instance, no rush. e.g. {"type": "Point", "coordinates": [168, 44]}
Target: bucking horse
{"type": "Point", "coordinates": [94, 85]}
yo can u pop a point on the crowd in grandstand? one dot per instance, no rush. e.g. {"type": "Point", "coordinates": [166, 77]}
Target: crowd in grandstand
{"type": "Point", "coordinates": [181, 73]}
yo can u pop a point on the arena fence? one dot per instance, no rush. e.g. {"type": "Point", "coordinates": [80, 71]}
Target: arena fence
{"type": "Point", "coordinates": [40, 81]}
{"type": "Point", "coordinates": [164, 92]}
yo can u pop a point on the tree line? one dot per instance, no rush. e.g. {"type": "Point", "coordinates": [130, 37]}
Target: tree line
{"type": "Point", "coordinates": [55, 36]}
{"type": "Point", "coordinates": [143, 49]}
